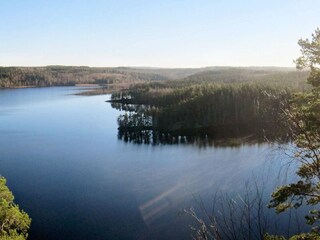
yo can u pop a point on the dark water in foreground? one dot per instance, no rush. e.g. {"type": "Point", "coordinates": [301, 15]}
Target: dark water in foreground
{"type": "Point", "coordinates": [67, 168]}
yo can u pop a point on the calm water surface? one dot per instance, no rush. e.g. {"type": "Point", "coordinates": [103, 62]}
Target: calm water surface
{"type": "Point", "coordinates": [67, 168]}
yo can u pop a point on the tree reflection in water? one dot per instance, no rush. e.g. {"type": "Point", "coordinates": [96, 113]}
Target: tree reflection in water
{"type": "Point", "coordinates": [139, 124]}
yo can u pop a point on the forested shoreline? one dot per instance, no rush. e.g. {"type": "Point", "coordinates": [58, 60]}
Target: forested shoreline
{"type": "Point", "coordinates": [166, 111]}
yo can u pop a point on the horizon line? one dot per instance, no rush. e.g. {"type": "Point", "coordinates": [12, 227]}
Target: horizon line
{"type": "Point", "coordinates": [146, 67]}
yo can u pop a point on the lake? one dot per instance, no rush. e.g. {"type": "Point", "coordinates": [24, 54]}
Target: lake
{"type": "Point", "coordinates": [71, 173]}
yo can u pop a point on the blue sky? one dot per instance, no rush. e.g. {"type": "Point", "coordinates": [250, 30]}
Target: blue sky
{"type": "Point", "coordinates": [175, 33]}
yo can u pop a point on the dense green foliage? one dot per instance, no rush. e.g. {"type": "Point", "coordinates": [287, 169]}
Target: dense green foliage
{"type": "Point", "coordinates": [209, 106]}
{"type": "Point", "coordinates": [14, 223]}
{"type": "Point", "coordinates": [208, 110]}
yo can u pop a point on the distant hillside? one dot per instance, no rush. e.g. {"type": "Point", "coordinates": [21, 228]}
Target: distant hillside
{"type": "Point", "coordinates": [11, 77]}
{"type": "Point", "coordinates": [170, 73]}
{"type": "Point", "coordinates": [282, 77]}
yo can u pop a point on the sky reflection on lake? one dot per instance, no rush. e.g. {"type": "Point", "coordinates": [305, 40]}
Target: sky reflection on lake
{"type": "Point", "coordinates": [67, 168]}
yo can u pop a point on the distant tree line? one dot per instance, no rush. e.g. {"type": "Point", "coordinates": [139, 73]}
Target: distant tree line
{"type": "Point", "coordinates": [68, 76]}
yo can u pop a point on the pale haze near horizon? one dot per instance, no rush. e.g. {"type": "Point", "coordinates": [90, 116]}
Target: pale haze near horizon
{"type": "Point", "coordinates": [156, 34]}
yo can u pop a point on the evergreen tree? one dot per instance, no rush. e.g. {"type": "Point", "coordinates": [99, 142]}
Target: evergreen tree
{"type": "Point", "coordinates": [14, 223]}
{"type": "Point", "coordinates": [304, 119]}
